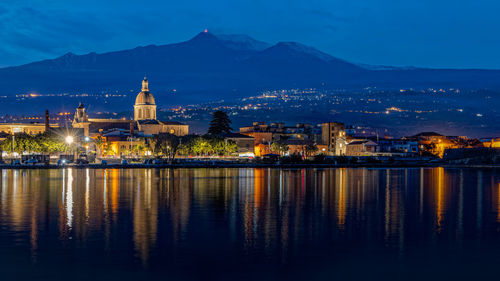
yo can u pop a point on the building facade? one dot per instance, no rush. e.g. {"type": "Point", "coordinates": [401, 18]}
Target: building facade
{"type": "Point", "coordinates": [361, 148]}
{"type": "Point", "coordinates": [333, 135]}
{"type": "Point", "coordinates": [27, 128]}
{"type": "Point", "coordinates": [144, 121]}
{"type": "Point", "coordinates": [296, 137]}
{"type": "Point", "coordinates": [245, 144]}
{"type": "Point", "coordinates": [398, 145]}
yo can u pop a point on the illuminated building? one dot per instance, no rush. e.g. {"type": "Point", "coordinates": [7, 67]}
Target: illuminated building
{"type": "Point", "coordinates": [118, 142]}
{"type": "Point", "coordinates": [491, 142]}
{"type": "Point", "coordinates": [27, 128]}
{"type": "Point", "coordinates": [333, 135]}
{"type": "Point", "coordinates": [30, 129]}
{"type": "Point", "coordinates": [398, 146]}
{"type": "Point", "coordinates": [434, 143]}
{"type": "Point", "coordinates": [296, 137]}
{"type": "Point", "coordinates": [244, 143]}
{"type": "Point", "coordinates": [144, 119]}
{"type": "Point", "coordinates": [361, 148]}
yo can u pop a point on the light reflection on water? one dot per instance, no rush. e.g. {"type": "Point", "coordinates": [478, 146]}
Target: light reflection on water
{"type": "Point", "coordinates": [258, 221]}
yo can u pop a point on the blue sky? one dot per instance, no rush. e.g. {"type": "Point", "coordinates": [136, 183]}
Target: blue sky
{"type": "Point", "coordinates": [439, 33]}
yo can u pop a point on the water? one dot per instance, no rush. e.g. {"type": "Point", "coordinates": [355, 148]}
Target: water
{"type": "Point", "coordinates": [250, 224]}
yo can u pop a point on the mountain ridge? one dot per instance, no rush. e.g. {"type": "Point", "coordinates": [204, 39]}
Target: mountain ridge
{"type": "Point", "coordinates": [224, 66]}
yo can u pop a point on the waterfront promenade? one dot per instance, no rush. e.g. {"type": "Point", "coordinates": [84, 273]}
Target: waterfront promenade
{"type": "Point", "coordinates": [228, 164]}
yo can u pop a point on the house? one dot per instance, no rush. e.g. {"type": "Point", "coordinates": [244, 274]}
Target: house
{"type": "Point", "coordinates": [361, 148]}
{"type": "Point", "coordinates": [398, 145]}
{"type": "Point", "coordinates": [490, 142]}
{"type": "Point", "coordinates": [333, 135]}
{"type": "Point", "coordinates": [264, 135]}
{"type": "Point", "coordinates": [119, 142]}
{"type": "Point", "coordinates": [244, 143]}
{"type": "Point", "coordinates": [434, 143]}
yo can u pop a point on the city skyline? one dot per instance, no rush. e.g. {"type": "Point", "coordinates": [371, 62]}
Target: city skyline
{"type": "Point", "coordinates": [249, 140]}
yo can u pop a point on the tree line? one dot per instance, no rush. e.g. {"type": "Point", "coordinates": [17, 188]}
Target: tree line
{"type": "Point", "coordinates": [169, 145]}
{"type": "Point", "coordinates": [47, 142]}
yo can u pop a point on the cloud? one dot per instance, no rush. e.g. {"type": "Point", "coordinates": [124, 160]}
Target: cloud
{"type": "Point", "coordinates": [37, 33]}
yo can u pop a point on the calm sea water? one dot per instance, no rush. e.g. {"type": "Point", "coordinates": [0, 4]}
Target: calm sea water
{"type": "Point", "coordinates": [250, 224]}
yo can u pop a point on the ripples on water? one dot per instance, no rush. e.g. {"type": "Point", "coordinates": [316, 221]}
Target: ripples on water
{"type": "Point", "coordinates": [258, 224]}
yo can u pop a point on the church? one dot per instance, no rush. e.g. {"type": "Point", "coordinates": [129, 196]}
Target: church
{"type": "Point", "coordinates": [144, 123]}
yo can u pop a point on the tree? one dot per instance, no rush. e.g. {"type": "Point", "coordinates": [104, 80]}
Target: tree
{"type": "Point", "coordinates": [50, 142]}
{"type": "Point", "coordinates": [311, 149]}
{"type": "Point", "coordinates": [139, 149]}
{"type": "Point", "coordinates": [99, 145]}
{"type": "Point", "coordinates": [21, 142]}
{"type": "Point", "coordinates": [202, 146]}
{"type": "Point", "coordinates": [47, 142]}
{"type": "Point", "coordinates": [166, 144]}
{"type": "Point", "coordinates": [185, 144]}
{"type": "Point", "coordinates": [108, 150]}
{"type": "Point", "coordinates": [279, 147]}
{"type": "Point", "coordinates": [222, 146]}
{"type": "Point", "coordinates": [151, 145]}
{"type": "Point", "coordinates": [231, 147]}
{"type": "Point", "coordinates": [220, 124]}
{"type": "Point", "coordinates": [206, 145]}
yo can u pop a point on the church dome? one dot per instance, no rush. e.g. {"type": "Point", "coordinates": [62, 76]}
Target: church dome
{"type": "Point", "coordinates": [144, 97]}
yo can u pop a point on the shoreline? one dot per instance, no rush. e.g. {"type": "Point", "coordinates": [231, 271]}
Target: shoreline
{"type": "Point", "coordinates": [239, 165]}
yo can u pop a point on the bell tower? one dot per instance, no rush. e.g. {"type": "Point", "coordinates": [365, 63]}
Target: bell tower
{"type": "Point", "coordinates": [81, 119]}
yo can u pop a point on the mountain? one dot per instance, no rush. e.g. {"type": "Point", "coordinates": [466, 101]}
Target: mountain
{"type": "Point", "coordinates": [242, 42]}
{"type": "Point", "coordinates": [210, 66]}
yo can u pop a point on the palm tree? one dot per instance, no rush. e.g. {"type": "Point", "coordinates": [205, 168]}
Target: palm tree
{"type": "Point", "coordinates": [99, 144]}
{"type": "Point", "coordinates": [311, 149]}
{"type": "Point", "coordinates": [138, 149]}
{"type": "Point", "coordinates": [279, 147]}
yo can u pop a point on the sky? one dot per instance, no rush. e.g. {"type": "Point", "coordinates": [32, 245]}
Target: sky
{"type": "Point", "coordinates": [424, 33]}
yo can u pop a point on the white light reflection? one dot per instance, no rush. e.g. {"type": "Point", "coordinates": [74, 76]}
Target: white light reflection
{"type": "Point", "coordinates": [87, 188]}
{"type": "Point", "coordinates": [69, 198]}
{"type": "Point", "coordinates": [105, 188]}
